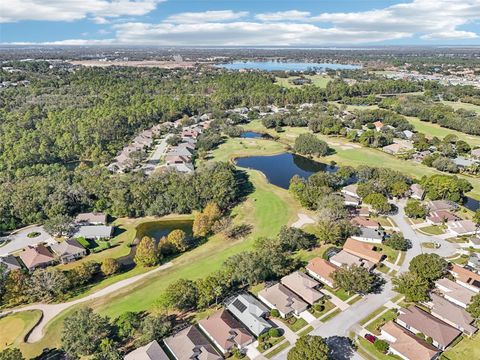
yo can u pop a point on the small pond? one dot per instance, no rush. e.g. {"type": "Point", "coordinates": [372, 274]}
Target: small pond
{"type": "Point", "coordinates": [253, 135]}
{"type": "Point", "coordinates": [279, 169]}
{"type": "Point", "coordinates": [471, 204]}
{"type": "Point", "coordinates": [159, 229]}
{"type": "Point", "coordinates": [285, 66]}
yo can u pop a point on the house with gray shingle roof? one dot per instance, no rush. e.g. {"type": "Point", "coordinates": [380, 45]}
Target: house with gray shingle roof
{"type": "Point", "coordinates": [10, 262]}
{"type": "Point", "coordinates": [151, 351]}
{"type": "Point", "coordinates": [250, 312]}
{"type": "Point", "coordinates": [69, 250]}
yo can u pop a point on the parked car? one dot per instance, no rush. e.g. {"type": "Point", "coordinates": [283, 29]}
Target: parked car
{"type": "Point", "coordinates": [370, 338]}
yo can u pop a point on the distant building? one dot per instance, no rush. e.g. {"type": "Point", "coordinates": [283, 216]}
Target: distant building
{"type": "Point", "coordinates": [417, 192]}
{"type": "Point", "coordinates": [91, 218]}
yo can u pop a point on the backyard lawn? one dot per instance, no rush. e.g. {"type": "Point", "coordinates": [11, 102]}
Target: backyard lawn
{"type": "Point", "coordinates": [432, 230]}
{"type": "Point", "coordinates": [468, 348]}
{"type": "Point", "coordinates": [374, 326]}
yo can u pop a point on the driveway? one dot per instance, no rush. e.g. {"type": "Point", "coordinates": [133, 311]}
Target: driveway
{"type": "Point", "coordinates": [19, 239]}
{"type": "Point", "coordinates": [155, 157]}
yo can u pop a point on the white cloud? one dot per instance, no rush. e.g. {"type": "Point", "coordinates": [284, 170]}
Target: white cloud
{"type": "Point", "coordinates": [283, 16]}
{"type": "Point", "coordinates": [206, 16]}
{"type": "Point", "coordinates": [70, 10]}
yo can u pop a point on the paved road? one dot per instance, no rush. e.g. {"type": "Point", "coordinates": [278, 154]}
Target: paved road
{"type": "Point", "coordinates": [52, 310]}
{"type": "Point", "coordinates": [19, 239]}
{"type": "Point", "coordinates": [154, 159]}
{"type": "Point", "coordinates": [446, 249]}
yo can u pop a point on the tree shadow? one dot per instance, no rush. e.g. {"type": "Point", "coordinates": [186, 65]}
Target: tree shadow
{"type": "Point", "coordinates": [341, 348]}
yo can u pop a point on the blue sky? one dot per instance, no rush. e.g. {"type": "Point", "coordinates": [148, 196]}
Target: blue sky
{"type": "Point", "coordinates": [241, 22]}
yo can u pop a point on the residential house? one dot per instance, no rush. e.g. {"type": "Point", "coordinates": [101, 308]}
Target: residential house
{"type": "Point", "coordinates": [362, 250]}
{"type": "Point", "coordinates": [417, 192]}
{"type": "Point", "coordinates": [465, 277]}
{"type": "Point", "coordinates": [250, 312]}
{"type": "Point", "coordinates": [437, 205]}
{"type": "Point", "coordinates": [375, 236]}
{"type": "Point", "coordinates": [364, 212]}
{"type": "Point", "coordinates": [398, 148]}
{"type": "Point", "coordinates": [441, 217]}
{"type": "Point", "coordinates": [322, 270]}
{"type": "Point", "coordinates": [344, 258]}
{"type": "Point", "coordinates": [151, 351]}
{"type": "Point", "coordinates": [378, 125]}
{"type": "Point", "coordinates": [69, 250]}
{"type": "Point", "coordinates": [364, 222]}
{"type": "Point", "coordinates": [225, 331]}
{"type": "Point", "coordinates": [183, 168]}
{"type": "Point", "coordinates": [405, 344]}
{"type": "Point", "coordinates": [452, 314]}
{"type": "Point", "coordinates": [94, 232]}
{"type": "Point", "coordinates": [462, 162]}
{"type": "Point", "coordinates": [475, 153]}
{"type": "Point", "coordinates": [351, 190]}
{"type": "Point", "coordinates": [408, 134]}
{"type": "Point", "coordinates": [177, 159]}
{"type": "Point", "coordinates": [179, 151]}
{"type": "Point", "coordinates": [10, 262]}
{"type": "Point", "coordinates": [474, 262]}
{"type": "Point", "coordinates": [454, 292]}
{"type": "Point", "coordinates": [34, 257]}
{"type": "Point", "coordinates": [418, 321]}
{"type": "Point", "coordinates": [462, 227]}
{"type": "Point", "coordinates": [284, 300]}
{"type": "Point", "coordinates": [191, 344]}
{"type": "Point", "coordinates": [91, 218]}
{"type": "Point", "coordinates": [350, 200]}
{"type": "Point", "coordinates": [303, 285]}
{"type": "Point", "coordinates": [474, 242]}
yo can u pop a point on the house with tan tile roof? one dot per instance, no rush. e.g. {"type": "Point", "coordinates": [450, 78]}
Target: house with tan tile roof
{"type": "Point", "coordinates": [92, 218]}
{"type": "Point", "coordinates": [454, 292]}
{"type": "Point", "coordinates": [225, 331]}
{"type": "Point", "coordinates": [304, 286]}
{"type": "Point", "coordinates": [466, 278]}
{"type": "Point", "coordinates": [344, 258]}
{"type": "Point", "coordinates": [405, 344]}
{"type": "Point", "coordinates": [362, 250]}
{"type": "Point", "coordinates": [36, 257]}
{"type": "Point", "coordinates": [462, 227]}
{"type": "Point", "coordinates": [417, 321]}
{"type": "Point", "coordinates": [452, 314]}
{"type": "Point", "coordinates": [284, 300]}
{"type": "Point", "coordinates": [322, 270]}
{"type": "Point", "coordinates": [191, 344]}
{"type": "Point", "coordinates": [151, 351]}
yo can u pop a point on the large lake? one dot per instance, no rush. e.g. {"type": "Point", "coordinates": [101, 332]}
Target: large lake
{"type": "Point", "coordinates": [279, 169]}
{"type": "Point", "coordinates": [285, 66]}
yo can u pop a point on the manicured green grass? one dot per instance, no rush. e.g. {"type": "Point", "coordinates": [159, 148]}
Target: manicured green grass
{"type": "Point", "coordinates": [390, 253]}
{"type": "Point", "coordinates": [373, 353]}
{"type": "Point", "coordinates": [402, 258]}
{"type": "Point", "coordinates": [432, 130]}
{"type": "Point", "coordinates": [374, 326]}
{"type": "Point", "coordinates": [277, 350]}
{"type": "Point", "coordinates": [340, 293]}
{"type": "Point", "coordinates": [294, 324]}
{"type": "Point", "coordinates": [461, 105]}
{"type": "Point", "coordinates": [272, 341]}
{"type": "Point", "coordinates": [468, 348]}
{"type": "Point", "coordinates": [432, 230]}
{"type": "Point", "coordinates": [428, 245]}
{"type": "Point", "coordinates": [305, 331]}
{"type": "Point", "coordinates": [353, 300]}
{"type": "Point", "coordinates": [328, 305]}
{"type": "Point", "coordinates": [331, 315]}
{"type": "Point", "coordinates": [317, 80]}
{"type": "Point", "coordinates": [14, 327]}
{"type": "Point", "coordinates": [239, 147]}
{"type": "Point", "coordinates": [372, 315]}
